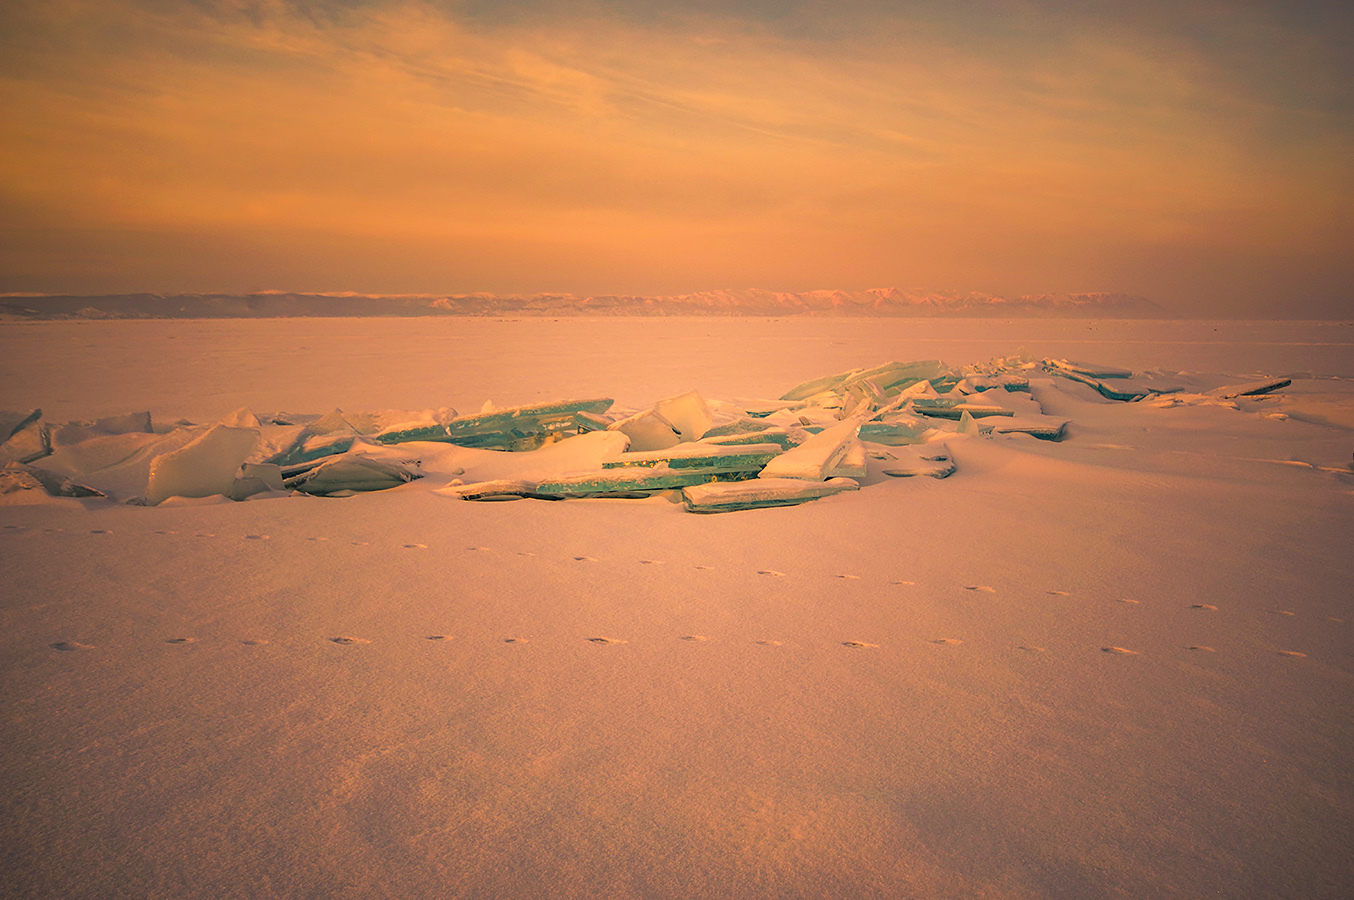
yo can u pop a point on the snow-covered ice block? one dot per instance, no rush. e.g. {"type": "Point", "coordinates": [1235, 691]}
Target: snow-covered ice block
{"type": "Point", "coordinates": [201, 468]}
{"type": "Point", "coordinates": [731, 496]}
{"type": "Point", "coordinates": [26, 444]}
{"type": "Point", "coordinates": [59, 436]}
{"type": "Point", "coordinates": [814, 458]}
{"type": "Point", "coordinates": [11, 422]}
{"type": "Point", "coordinates": [1093, 370]}
{"type": "Point", "coordinates": [350, 474]}
{"type": "Point", "coordinates": [498, 489]}
{"type": "Point", "coordinates": [896, 428]}
{"type": "Point", "coordinates": [1045, 428]}
{"type": "Point", "coordinates": [957, 410]}
{"type": "Point", "coordinates": [241, 418]}
{"type": "Point", "coordinates": [648, 430]}
{"type": "Point", "coordinates": [771, 435]}
{"type": "Point", "coordinates": [925, 459]}
{"type": "Point", "coordinates": [519, 428]}
{"type": "Point", "coordinates": [625, 480]}
{"type": "Point", "coordinates": [688, 413]}
{"type": "Point", "coordinates": [1253, 389]}
{"type": "Point", "coordinates": [709, 458]}
{"type": "Point", "coordinates": [852, 464]}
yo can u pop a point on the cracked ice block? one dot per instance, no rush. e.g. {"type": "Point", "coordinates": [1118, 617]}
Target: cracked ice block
{"type": "Point", "coordinates": [201, 468]}
{"type": "Point", "coordinates": [931, 460]}
{"type": "Point", "coordinates": [777, 436]}
{"type": "Point", "coordinates": [814, 458]}
{"type": "Point", "coordinates": [648, 430]}
{"type": "Point", "coordinates": [351, 474]}
{"type": "Point", "coordinates": [12, 422]}
{"type": "Point", "coordinates": [852, 464]}
{"type": "Point", "coordinates": [519, 427]}
{"type": "Point", "coordinates": [688, 413]}
{"type": "Point", "coordinates": [957, 410]}
{"type": "Point", "coordinates": [27, 444]}
{"type": "Point", "coordinates": [711, 458]}
{"type": "Point", "coordinates": [1092, 370]}
{"type": "Point", "coordinates": [731, 496]}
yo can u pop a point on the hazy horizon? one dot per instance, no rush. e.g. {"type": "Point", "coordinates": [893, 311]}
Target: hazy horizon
{"type": "Point", "coordinates": [1197, 154]}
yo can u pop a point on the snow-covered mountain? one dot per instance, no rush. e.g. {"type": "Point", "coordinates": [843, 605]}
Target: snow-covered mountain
{"type": "Point", "coordinates": [749, 302]}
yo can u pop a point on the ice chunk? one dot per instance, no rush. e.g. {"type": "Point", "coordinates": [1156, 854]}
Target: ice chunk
{"type": "Point", "coordinates": [957, 410]}
{"type": "Point", "coordinates": [27, 444]}
{"type": "Point", "coordinates": [814, 458]}
{"type": "Point", "coordinates": [625, 480]}
{"type": "Point", "coordinates": [1093, 370]}
{"type": "Point", "coordinates": [896, 428]}
{"type": "Point", "coordinates": [12, 422]}
{"type": "Point", "coordinates": [730, 496]}
{"type": "Point", "coordinates": [59, 436]}
{"type": "Point", "coordinates": [778, 436]}
{"type": "Point", "coordinates": [351, 473]}
{"type": "Point", "coordinates": [1046, 428]}
{"type": "Point", "coordinates": [648, 430]}
{"type": "Point", "coordinates": [808, 389]}
{"type": "Point", "coordinates": [498, 489]}
{"type": "Point", "coordinates": [241, 418]}
{"type": "Point", "coordinates": [518, 427]}
{"type": "Point", "coordinates": [711, 458]}
{"type": "Point", "coordinates": [205, 466]}
{"type": "Point", "coordinates": [688, 414]}
{"type": "Point", "coordinates": [852, 465]}
{"type": "Point", "coordinates": [1253, 389]}
{"type": "Point", "coordinates": [926, 459]}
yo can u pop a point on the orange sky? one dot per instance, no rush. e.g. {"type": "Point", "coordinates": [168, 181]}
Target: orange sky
{"type": "Point", "coordinates": [1197, 153]}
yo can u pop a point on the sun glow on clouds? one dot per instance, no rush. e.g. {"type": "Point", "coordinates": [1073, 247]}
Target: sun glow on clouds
{"type": "Point", "coordinates": [415, 146]}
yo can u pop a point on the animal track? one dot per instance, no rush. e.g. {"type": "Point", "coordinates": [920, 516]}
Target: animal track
{"type": "Point", "coordinates": [1121, 650]}
{"type": "Point", "coordinates": [416, 546]}
{"type": "Point", "coordinates": [349, 640]}
{"type": "Point", "coordinates": [1283, 612]}
{"type": "Point", "coordinates": [257, 537]}
{"type": "Point", "coordinates": [70, 646]}
{"type": "Point", "coordinates": [515, 640]}
{"type": "Point", "coordinates": [769, 643]}
{"type": "Point", "coordinates": [1030, 648]}
{"type": "Point", "coordinates": [703, 567]}
{"type": "Point", "coordinates": [586, 558]}
{"type": "Point", "coordinates": [1126, 600]}
{"type": "Point", "coordinates": [853, 577]}
{"type": "Point", "coordinates": [254, 642]}
{"type": "Point", "coordinates": [1200, 648]}
{"type": "Point", "coordinates": [606, 640]}
{"type": "Point", "coordinates": [1060, 593]}
{"type": "Point", "coordinates": [860, 645]}
{"type": "Point", "coordinates": [439, 637]}
{"type": "Point", "coordinates": [1204, 606]}
{"type": "Point", "coordinates": [317, 539]}
{"type": "Point", "coordinates": [980, 587]}
{"type": "Point", "coordinates": [694, 637]}
{"type": "Point", "coordinates": [1291, 653]}
{"type": "Point", "coordinates": [651, 562]}
{"type": "Point", "coordinates": [180, 640]}
{"type": "Point", "coordinates": [100, 531]}
{"type": "Point", "coordinates": [947, 641]}
{"type": "Point", "coordinates": [772, 572]}
{"type": "Point", "coordinates": [902, 582]}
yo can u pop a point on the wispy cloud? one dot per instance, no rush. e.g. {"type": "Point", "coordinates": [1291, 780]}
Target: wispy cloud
{"type": "Point", "coordinates": [518, 147]}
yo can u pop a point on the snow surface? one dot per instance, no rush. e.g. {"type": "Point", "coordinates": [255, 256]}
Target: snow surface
{"type": "Point", "coordinates": [1118, 665]}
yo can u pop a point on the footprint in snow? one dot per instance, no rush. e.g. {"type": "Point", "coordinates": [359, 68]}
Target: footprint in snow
{"type": "Point", "coordinates": [769, 643]}
{"type": "Point", "coordinates": [704, 567]}
{"type": "Point", "coordinates": [980, 587]}
{"type": "Point", "coordinates": [860, 645]}
{"type": "Point", "coordinates": [694, 637]}
{"type": "Point", "coordinates": [849, 577]}
{"type": "Point", "coordinates": [1208, 606]}
{"type": "Point", "coordinates": [1292, 653]}
{"type": "Point", "coordinates": [1283, 612]}
{"type": "Point", "coordinates": [416, 546]}
{"type": "Point", "coordinates": [100, 531]}
{"type": "Point", "coordinates": [439, 637]}
{"type": "Point", "coordinates": [772, 572]}
{"type": "Point", "coordinates": [317, 538]}
{"type": "Point", "coordinates": [70, 646]}
{"type": "Point", "coordinates": [947, 641]}
{"type": "Point", "coordinates": [1031, 648]}
{"type": "Point", "coordinates": [361, 543]}
{"type": "Point", "coordinates": [165, 531]}
{"type": "Point", "coordinates": [525, 553]}
{"type": "Point", "coordinates": [181, 640]}
{"type": "Point", "coordinates": [515, 640]}
{"type": "Point", "coordinates": [344, 640]}
{"type": "Point", "coordinates": [651, 562]}
{"type": "Point", "coordinates": [1060, 593]}
{"type": "Point", "coordinates": [586, 558]}
{"type": "Point", "coordinates": [254, 642]}
{"type": "Point", "coordinates": [902, 582]}
{"type": "Point", "coordinates": [204, 534]}
{"type": "Point", "coordinates": [257, 537]}
{"type": "Point", "coordinates": [1126, 600]}
{"type": "Point", "coordinates": [1120, 650]}
{"type": "Point", "coordinates": [605, 640]}
{"type": "Point", "coordinates": [1200, 648]}
{"type": "Point", "coordinates": [479, 548]}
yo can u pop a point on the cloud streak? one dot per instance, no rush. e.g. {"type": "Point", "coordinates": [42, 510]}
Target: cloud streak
{"type": "Point", "coordinates": [408, 146]}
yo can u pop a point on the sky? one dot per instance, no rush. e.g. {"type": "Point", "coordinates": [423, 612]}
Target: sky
{"type": "Point", "coordinates": [1199, 153]}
